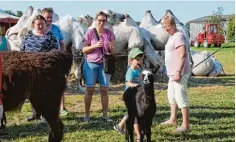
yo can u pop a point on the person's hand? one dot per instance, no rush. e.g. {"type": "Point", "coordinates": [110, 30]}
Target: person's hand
{"type": "Point", "coordinates": [109, 45]}
{"type": "Point", "coordinates": [99, 44]}
{"type": "Point", "coordinates": [177, 76]}
{"type": "Point", "coordinates": [134, 85]}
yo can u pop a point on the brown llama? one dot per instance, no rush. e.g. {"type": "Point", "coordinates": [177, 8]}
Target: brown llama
{"type": "Point", "coordinates": [40, 77]}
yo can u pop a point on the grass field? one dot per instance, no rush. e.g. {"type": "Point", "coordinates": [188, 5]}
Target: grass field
{"type": "Point", "coordinates": [212, 113]}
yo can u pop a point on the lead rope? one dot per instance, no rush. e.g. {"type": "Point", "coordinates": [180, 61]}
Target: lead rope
{"type": "Point", "coordinates": [211, 55]}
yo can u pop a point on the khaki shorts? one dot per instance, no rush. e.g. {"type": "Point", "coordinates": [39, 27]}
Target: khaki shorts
{"type": "Point", "coordinates": [177, 91]}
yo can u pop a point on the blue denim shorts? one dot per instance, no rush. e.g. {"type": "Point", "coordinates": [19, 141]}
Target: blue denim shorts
{"type": "Point", "coordinates": [93, 72]}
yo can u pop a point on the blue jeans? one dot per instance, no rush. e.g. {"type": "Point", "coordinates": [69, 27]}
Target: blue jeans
{"type": "Point", "coordinates": [93, 72]}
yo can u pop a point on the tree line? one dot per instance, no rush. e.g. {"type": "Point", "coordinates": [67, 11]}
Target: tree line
{"type": "Point", "coordinates": [216, 18]}
{"type": "Point", "coordinates": [17, 14]}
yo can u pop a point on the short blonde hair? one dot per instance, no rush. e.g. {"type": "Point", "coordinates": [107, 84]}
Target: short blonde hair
{"type": "Point", "coordinates": [168, 20]}
{"type": "Point", "coordinates": [47, 10]}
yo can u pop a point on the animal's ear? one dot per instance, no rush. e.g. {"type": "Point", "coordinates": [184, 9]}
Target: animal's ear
{"type": "Point", "coordinates": [154, 70]}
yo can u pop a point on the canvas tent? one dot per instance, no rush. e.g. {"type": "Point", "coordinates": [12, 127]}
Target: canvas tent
{"type": "Point", "coordinates": [7, 20]}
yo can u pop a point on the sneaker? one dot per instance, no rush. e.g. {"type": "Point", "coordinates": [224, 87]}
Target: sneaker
{"type": "Point", "coordinates": [64, 111]}
{"type": "Point", "coordinates": [86, 119]}
{"type": "Point", "coordinates": [120, 130]}
{"type": "Point", "coordinates": [107, 119]}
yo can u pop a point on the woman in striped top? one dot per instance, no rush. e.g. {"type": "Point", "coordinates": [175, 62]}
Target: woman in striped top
{"type": "Point", "coordinates": [38, 39]}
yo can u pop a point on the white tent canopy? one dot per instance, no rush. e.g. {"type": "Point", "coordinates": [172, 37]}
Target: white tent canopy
{"type": "Point", "coordinates": [7, 18]}
{"type": "Point", "coordinates": [3, 14]}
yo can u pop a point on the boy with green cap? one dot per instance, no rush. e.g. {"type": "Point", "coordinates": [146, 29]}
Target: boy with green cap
{"type": "Point", "coordinates": [132, 79]}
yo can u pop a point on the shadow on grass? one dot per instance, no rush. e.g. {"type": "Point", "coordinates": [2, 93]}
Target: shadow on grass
{"type": "Point", "coordinates": [25, 130]}
{"type": "Point", "coordinates": [208, 123]}
{"type": "Point", "coordinates": [194, 81]}
{"type": "Point", "coordinates": [226, 80]}
{"type": "Point", "coordinates": [204, 122]}
{"type": "Point", "coordinates": [96, 123]}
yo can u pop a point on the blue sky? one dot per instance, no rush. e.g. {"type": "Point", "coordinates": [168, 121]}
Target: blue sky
{"type": "Point", "coordinates": [183, 10]}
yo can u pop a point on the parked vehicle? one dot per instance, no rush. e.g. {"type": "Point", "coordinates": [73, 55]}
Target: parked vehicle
{"type": "Point", "coordinates": [210, 35]}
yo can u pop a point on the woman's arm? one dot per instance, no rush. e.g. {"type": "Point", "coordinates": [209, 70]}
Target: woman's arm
{"type": "Point", "coordinates": [181, 50]}
{"type": "Point", "coordinates": [182, 55]}
{"type": "Point", "coordinates": [90, 48]}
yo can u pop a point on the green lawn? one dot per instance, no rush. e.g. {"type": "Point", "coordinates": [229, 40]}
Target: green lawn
{"type": "Point", "coordinates": [212, 113]}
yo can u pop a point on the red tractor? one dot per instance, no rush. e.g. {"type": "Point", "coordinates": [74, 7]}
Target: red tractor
{"type": "Point", "coordinates": [210, 35]}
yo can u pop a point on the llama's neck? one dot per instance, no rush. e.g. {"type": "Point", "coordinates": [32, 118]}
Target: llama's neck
{"type": "Point", "coordinates": [149, 88]}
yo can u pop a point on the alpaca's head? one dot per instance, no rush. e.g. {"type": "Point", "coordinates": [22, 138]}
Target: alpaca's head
{"type": "Point", "coordinates": [147, 77]}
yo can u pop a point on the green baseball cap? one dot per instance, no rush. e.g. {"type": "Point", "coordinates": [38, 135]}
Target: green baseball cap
{"type": "Point", "coordinates": [134, 53]}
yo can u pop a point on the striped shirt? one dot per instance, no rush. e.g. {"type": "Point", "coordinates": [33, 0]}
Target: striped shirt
{"type": "Point", "coordinates": [34, 43]}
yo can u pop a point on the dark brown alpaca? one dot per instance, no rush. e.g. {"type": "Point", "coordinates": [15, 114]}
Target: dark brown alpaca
{"type": "Point", "coordinates": [41, 77]}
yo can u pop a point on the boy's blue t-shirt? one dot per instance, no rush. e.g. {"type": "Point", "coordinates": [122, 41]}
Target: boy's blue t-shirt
{"type": "Point", "coordinates": [133, 75]}
{"type": "Point", "coordinates": [57, 32]}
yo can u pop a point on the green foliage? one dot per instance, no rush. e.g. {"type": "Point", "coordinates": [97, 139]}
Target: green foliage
{"type": "Point", "coordinates": [10, 12]}
{"type": "Point", "coordinates": [231, 29]}
{"type": "Point", "coordinates": [216, 18]}
{"type": "Point", "coordinates": [18, 13]}
{"type": "Point", "coordinates": [187, 25]}
{"type": "Point", "coordinates": [138, 23]}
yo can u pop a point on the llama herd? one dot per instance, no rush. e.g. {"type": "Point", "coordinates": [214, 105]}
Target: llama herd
{"type": "Point", "coordinates": [149, 35]}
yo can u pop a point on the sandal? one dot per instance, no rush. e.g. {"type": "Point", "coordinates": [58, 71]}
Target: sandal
{"type": "Point", "coordinates": [182, 130]}
{"type": "Point", "coordinates": [167, 123]}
